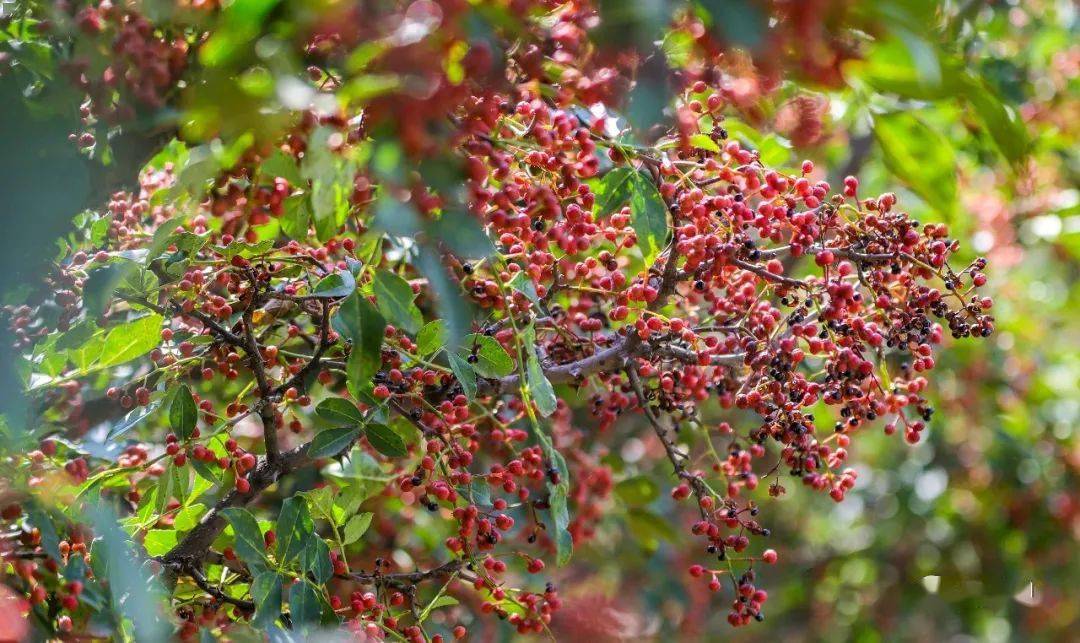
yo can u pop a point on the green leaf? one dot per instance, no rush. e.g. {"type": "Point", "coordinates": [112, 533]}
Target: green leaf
{"type": "Point", "coordinates": [356, 527]}
{"type": "Point", "coordinates": [160, 541]}
{"type": "Point", "coordinates": [50, 540]}
{"type": "Point", "coordinates": [394, 298]}
{"type": "Point", "coordinates": [463, 234]}
{"type": "Point", "coordinates": [451, 306]}
{"type": "Point", "coordinates": [321, 502]}
{"type": "Point", "coordinates": [464, 373]}
{"type": "Point", "coordinates": [172, 483]}
{"type": "Point", "coordinates": [564, 543]}
{"type": "Point", "coordinates": [891, 67]}
{"type": "Point", "coordinates": [492, 359]}
{"type": "Point", "coordinates": [266, 594]}
{"type": "Point", "coordinates": [361, 89]}
{"type": "Point", "coordinates": [316, 559]}
{"type": "Point", "coordinates": [249, 539]}
{"type": "Point", "coordinates": [703, 142]}
{"type": "Point", "coordinates": [613, 190]}
{"type": "Point", "coordinates": [636, 491]}
{"type": "Point", "coordinates": [340, 411]}
{"type": "Point", "coordinates": [431, 337]}
{"type": "Point", "coordinates": [649, 529]}
{"type": "Point", "coordinates": [131, 340]}
{"type": "Point", "coordinates": [360, 477]}
{"type": "Point", "coordinates": [239, 27]}
{"type": "Point", "coordinates": [280, 164]}
{"type": "Point", "coordinates": [294, 526]}
{"type": "Point", "coordinates": [188, 517]}
{"type": "Point", "coordinates": [772, 151]}
{"type": "Point", "coordinates": [133, 418]}
{"type": "Point", "coordinates": [332, 441]}
{"type": "Point", "coordinates": [304, 606]}
{"type": "Point", "coordinates": [395, 218]}
{"type": "Point", "coordinates": [102, 282]}
{"type": "Point", "coordinates": [296, 217]}
{"type": "Point", "coordinates": [524, 285]}
{"type": "Point", "coordinates": [678, 45]}
{"type": "Point", "coordinates": [385, 440]}
{"type": "Point", "coordinates": [1001, 121]}
{"type": "Point", "coordinates": [364, 326]}
{"type": "Point", "coordinates": [479, 492]}
{"type": "Point", "coordinates": [441, 600]}
{"type": "Point", "coordinates": [244, 249]}
{"type": "Point", "coordinates": [183, 413]}
{"type": "Point", "coordinates": [648, 216]}
{"type": "Point", "coordinates": [540, 387]}
{"type": "Point", "coordinates": [920, 156]}
{"type": "Point", "coordinates": [330, 193]}
{"type": "Point", "coordinates": [339, 284]}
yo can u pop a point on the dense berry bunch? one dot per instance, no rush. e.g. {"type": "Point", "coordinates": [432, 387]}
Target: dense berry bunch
{"type": "Point", "coordinates": [338, 319]}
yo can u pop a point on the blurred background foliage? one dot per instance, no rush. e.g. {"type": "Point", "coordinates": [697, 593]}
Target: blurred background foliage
{"type": "Point", "coordinates": [969, 110]}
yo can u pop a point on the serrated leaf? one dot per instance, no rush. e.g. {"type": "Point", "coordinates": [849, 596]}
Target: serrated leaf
{"type": "Point", "coordinates": [524, 285]}
{"type": "Point", "coordinates": [133, 418]}
{"type": "Point", "coordinates": [441, 600]}
{"type": "Point", "coordinates": [492, 360]}
{"type": "Point", "coordinates": [188, 517]}
{"type": "Point", "coordinates": [613, 190]}
{"type": "Point", "coordinates": [364, 326]}
{"type": "Point", "coordinates": [560, 514]}
{"type": "Point", "coordinates": [266, 594]}
{"type": "Point", "coordinates": [431, 337]}
{"type": "Point", "coordinates": [160, 541]}
{"type": "Point", "coordinates": [183, 413]}
{"type": "Point", "coordinates": [465, 374]}
{"type": "Point", "coordinates": [451, 306]}
{"type": "Point", "coordinates": [131, 340]}
{"type": "Point", "coordinates": [648, 216]}
{"type": "Point", "coordinates": [332, 441]}
{"type": "Point", "coordinates": [304, 606]}
{"type": "Point", "coordinates": [280, 164]}
{"type": "Point", "coordinates": [479, 492]}
{"type": "Point", "coordinates": [294, 526]}
{"type": "Point", "coordinates": [247, 250]}
{"type": "Point", "coordinates": [316, 559]}
{"type": "Point", "coordinates": [321, 502]}
{"type": "Point", "coordinates": [385, 440]}
{"type": "Point", "coordinates": [360, 477]}
{"type": "Point", "coordinates": [356, 527]}
{"type": "Point", "coordinates": [296, 217]}
{"type": "Point", "coordinates": [339, 284]}
{"type": "Point", "coordinates": [394, 298]}
{"type": "Point", "coordinates": [102, 282]}
{"type": "Point", "coordinates": [340, 411]}
{"type": "Point", "coordinates": [703, 142]}
{"type": "Point", "coordinates": [249, 543]}
{"type": "Point", "coordinates": [540, 387]}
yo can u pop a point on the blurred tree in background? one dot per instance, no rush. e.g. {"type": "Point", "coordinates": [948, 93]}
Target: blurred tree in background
{"type": "Point", "coordinates": [968, 110]}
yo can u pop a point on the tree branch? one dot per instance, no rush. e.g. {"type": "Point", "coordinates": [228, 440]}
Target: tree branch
{"type": "Point", "coordinates": [676, 457]}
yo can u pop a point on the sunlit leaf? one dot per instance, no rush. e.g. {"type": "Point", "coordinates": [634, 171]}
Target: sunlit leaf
{"type": "Point", "coordinates": [920, 156]}
{"type": "Point", "coordinates": [394, 297]}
